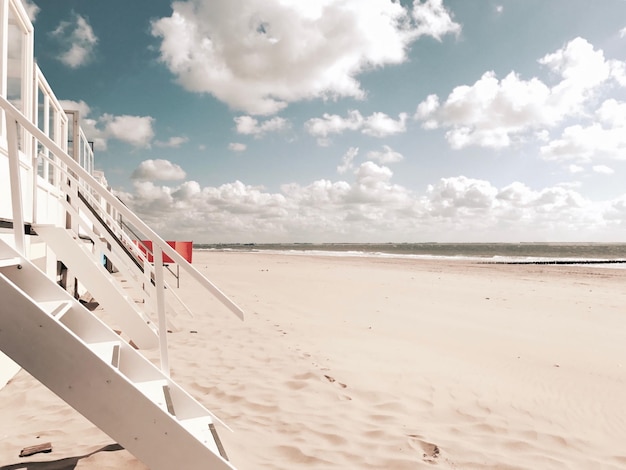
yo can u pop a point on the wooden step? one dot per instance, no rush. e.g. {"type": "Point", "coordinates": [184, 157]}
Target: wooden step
{"type": "Point", "coordinates": [8, 262]}
{"type": "Point", "coordinates": [155, 391]}
{"type": "Point", "coordinates": [204, 430]}
{"type": "Point", "coordinates": [108, 351]}
{"type": "Point", "coordinates": [56, 308]}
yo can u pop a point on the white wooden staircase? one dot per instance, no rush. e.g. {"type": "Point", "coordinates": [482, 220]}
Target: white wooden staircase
{"type": "Point", "coordinates": [80, 260]}
{"type": "Point", "coordinates": [68, 349]}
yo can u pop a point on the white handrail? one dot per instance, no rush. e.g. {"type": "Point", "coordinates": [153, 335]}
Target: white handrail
{"type": "Point", "coordinates": [16, 186]}
{"type": "Point", "coordinates": [83, 175]}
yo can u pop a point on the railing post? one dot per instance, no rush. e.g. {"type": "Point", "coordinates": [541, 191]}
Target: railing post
{"type": "Point", "coordinates": [35, 172]}
{"type": "Point", "coordinates": [16, 185]}
{"type": "Point", "coordinates": [160, 303]}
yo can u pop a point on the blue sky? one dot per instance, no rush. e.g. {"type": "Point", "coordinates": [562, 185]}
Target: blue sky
{"type": "Point", "coordinates": [351, 120]}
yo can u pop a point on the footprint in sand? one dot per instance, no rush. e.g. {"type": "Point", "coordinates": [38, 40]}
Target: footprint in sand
{"type": "Point", "coordinates": [430, 451]}
{"type": "Point", "coordinates": [332, 380]}
{"type": "Point", "coordinates": [342, 385]}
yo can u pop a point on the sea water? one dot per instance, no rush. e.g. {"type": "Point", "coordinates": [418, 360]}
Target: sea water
{"type": "Point", "coordinates": [615, 253]}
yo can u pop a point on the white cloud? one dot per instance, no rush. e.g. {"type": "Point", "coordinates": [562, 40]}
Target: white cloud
{"type": "Point", "coordinates": [347, 160]}
{"type": "Point", "coordinates": [499, 8]}
{"type": "Point", "coordinates": [371, 175]}
{"type": "Point", "coordinates": [612, 113]}
{"type": "Point", "coordinates": [604, 138]}
{"type": "Point", "coordinates": [585, 143]}
{"type": "Point", "coordinates": [172, 142]}
{"type": "Point", "coordinates": [433, 19]}
{"type": "Point", "coordinates": [622, 33]}
{"type": "Point", "coordinates": [494, 113]}
{"type": "Point", "coordinates": [575, 169]}
{"type": "Point", "coordinates": [381, 125]}
{"type": "Point", "coordinates": [376, 125]}
{"type": "Point", "coordinates": [603, 169]}
{"type": "Point", "coordinates": [134, 130]}
{"type": "Point", "coordinates": [386, 155]}
{"type": "Point", "coordinates": [451, 195]}
{"type": "Point", "coordinates": [80, 106]}
{"type": "Point", "coordinates": [237, 147]}
{"type": "Point", "coordinates": [77, 40]}
{"type": "Point", "coordinates": [259, 57]}
{"type": "Point", "coordinates": [31, 9]}
{"type": "Point", "coordinates": [248, 125]}
{"type": "Point", "coordinates": [581, 68]}
{"type": "Point", "coordinates": [158, 170]}
{"type": "Point", "coordinates": [490, 111]}
{"type": "Point", "coordinates": [368, 206]}
{"type": "Point", "coordinates": [333, 124]}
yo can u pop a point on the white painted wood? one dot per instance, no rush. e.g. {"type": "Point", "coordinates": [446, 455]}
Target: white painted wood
{"type": "Point", "coordinates": [200, 427]}
{"type": "Point", "coordinates": [153, 389]}
{"type": "Point", "coordinates": [100, 284]}
{"type": "Point", "coordinates": [17, 204]}
{"type": "Point", "coordinates": [160, 302]}
{"type": "Point", "coordinates": [10, 262]}
{"type": "Point", "coordinates": [55, 308]}
{"type": "Point", "coordinates": [108, 351]}
{"type": "Point", "coordinates": [123, 396]}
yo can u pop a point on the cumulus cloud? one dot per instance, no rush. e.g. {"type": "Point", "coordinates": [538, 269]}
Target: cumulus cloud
{"type": "Point", "coordinates": [581, 69]}
{"type": "Point", "coordinates": [333, 124]}
{"type": "Point", "coordinates": [158, 170]}
{"type": "Point", "coordinates": [258, 57]}
{"type": "Point", "coordinates": [247, 125]}
{"type": "Point", "coordinates": [376, 125]}
{"type": "Point", "coordinates": [451, 195]}
{"type": "Point", "coordinates": [433, 19]}
{"type": "Point", "coordinates": [134, 130]}
{"type": "Point", "coordinates": [77, 41]}
{"type": "Point", "coordinates": [603, 138]}
{"type": "Point", "coordinates": [386, 155]}
{"type": "Point", "coordinates": [237, 147]}
{"type": "Point", "coordinates": [172, 142]}
{"type": "Point", "coordinates": [489, 112]}
{"type": "Point", "coordinates": [31, 9]}
{"type": "Point", "coordinates": [381, 125]}
{"type": "Point", "coordinates": [347, 161]}
{"type": "Point", "coordinates": [603, 169]}
{"type": "Point", "coordinates": [80, 106]}
{"type": "Point", "coordinates": [493, 113]}
{"type": "Point", "coordinates": [369, 206]}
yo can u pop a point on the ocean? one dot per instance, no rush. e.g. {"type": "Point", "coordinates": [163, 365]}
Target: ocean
{"type": "Point", "coordinates": [560, 253]}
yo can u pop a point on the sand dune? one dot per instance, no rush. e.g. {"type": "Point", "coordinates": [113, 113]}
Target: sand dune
{"type": "Point", "coordinates": [371, 363]}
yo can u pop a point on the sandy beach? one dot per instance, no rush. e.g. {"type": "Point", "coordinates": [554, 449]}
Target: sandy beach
{"type": "Point", "coordinates": [371, 363]}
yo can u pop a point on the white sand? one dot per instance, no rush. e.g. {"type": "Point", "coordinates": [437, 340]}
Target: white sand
{"type": "Point", "coordinates": [370, 363]}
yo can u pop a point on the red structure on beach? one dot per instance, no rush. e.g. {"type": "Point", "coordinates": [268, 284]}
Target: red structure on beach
{"type": "Point", "coordinates": [182, 248]}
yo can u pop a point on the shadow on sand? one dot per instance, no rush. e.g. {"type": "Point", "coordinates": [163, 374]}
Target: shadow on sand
{"type": "Point", "coordinates": [68, 463]}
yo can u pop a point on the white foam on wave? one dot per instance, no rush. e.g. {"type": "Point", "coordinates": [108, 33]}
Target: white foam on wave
{"type": "Point", "coordinates": [496, 259]}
